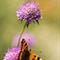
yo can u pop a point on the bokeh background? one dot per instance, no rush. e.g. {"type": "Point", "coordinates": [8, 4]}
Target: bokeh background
{"type": "Point", "coordinates": [47, 33]}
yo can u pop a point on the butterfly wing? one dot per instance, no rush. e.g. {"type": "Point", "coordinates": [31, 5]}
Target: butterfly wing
{"type": "Point", "coordinates": [24, 53]}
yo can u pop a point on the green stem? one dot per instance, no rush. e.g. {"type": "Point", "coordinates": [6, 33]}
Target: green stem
{"type": "Point", "coordinates": [21, 34]}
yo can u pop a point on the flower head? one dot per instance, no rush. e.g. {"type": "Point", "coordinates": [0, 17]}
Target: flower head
{"type": "Point", "coordinates": [27, 36]}
{"type": "Point", "coordinates": [29, 12]}
{"type": "Point", "coordinates": [12, 54]}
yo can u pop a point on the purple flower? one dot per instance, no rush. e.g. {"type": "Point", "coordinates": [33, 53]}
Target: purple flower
{"type": "Point", "coordinates": [12, 54]}
{"type": "Point", "coordinates": [27, 36]}
{"type": "Point", "coordinates": [29, 12]}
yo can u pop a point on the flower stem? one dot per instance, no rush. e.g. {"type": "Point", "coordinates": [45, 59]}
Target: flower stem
{"type": "Point", "coordinates": [21, 34]}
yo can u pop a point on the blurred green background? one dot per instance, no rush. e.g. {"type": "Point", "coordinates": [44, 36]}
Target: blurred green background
{"type": "Point", "coordinates": [47, 34]}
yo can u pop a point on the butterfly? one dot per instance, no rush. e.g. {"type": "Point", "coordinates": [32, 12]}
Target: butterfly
{"type": "Point", "coordinates": [26, 54]}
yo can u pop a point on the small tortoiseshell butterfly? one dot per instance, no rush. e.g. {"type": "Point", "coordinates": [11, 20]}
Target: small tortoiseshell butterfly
{"type": "Point", "coordinates": [26, 54]}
